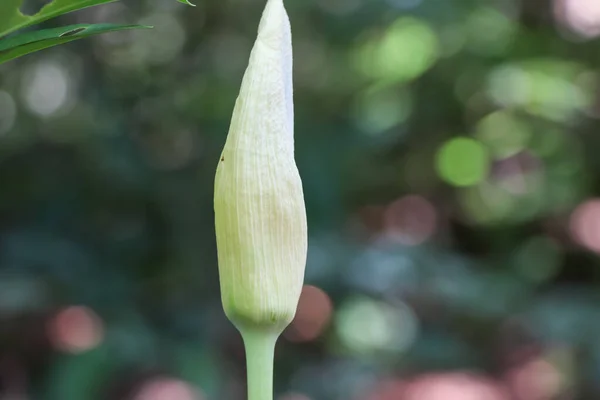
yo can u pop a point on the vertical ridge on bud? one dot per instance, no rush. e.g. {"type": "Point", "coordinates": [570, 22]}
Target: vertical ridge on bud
{"type": "Point", "coordinates": [260, 217]}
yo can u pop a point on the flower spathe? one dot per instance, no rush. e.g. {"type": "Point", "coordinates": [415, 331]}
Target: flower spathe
{"type": "Point", "coordinates": [260, 216]}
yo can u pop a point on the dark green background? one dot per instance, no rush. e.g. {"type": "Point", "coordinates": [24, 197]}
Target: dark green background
{"type": "Point", "coordinates": [108, 148]}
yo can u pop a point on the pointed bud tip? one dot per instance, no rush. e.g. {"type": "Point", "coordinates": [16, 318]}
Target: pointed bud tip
{"type": "Point", "coordinates": [274, 26]}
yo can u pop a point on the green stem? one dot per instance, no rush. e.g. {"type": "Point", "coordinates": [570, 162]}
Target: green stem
{"type": "Point", "coordinates": [260, 353]}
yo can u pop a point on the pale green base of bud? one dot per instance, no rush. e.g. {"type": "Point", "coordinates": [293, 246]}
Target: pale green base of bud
{"type": "Point", "coordinates": [273, 321]}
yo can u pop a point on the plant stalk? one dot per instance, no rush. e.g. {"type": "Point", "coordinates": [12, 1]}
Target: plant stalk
{"type": "Point", "coordinates": [260, 356]}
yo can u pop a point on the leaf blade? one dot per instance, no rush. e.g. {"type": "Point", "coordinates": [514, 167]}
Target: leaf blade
{"type": "Point", "coordinates": [11, 19]}
{"type": "Point", "coordinates": [28, 42]}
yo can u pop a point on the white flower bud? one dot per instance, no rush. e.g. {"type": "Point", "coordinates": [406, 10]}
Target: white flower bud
{"type": "Point", "coordinates": [260, 217]}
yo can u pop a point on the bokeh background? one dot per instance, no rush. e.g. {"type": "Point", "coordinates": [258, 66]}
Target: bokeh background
{"type": "Point", "coordinates": [450, 156]}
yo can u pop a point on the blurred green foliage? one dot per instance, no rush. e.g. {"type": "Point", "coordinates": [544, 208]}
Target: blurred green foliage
{"type": "Point", "coordinates": [449, 156]}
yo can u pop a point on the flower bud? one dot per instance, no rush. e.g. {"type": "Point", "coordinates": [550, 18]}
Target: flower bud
{"type": "Point", "coordinates": [260, 217]}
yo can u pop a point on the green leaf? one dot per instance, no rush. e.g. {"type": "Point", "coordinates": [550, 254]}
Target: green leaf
{"type": "Point", "coordinates": [11, 18]}
{"type": "Point", "coordinates": [186, 2]}
{"type": "Point", "coordinates": [28, 42]}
